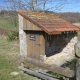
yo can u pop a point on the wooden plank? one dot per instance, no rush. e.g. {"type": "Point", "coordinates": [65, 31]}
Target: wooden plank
{"type": "Point", "coordinates": [27, 25]}
{"type": "Point", "coordinates": [29, 46]}
{"type": "Point", "coordinates": [42, 45]}
{"type": "Point", "coordinates": [34, 73]}
{"type": "Point", "coordinates": [53, 68]}
{"type": "Point", "coordinates": [33, 48]}
{"type": "Point", "coordinates": [37, 45]}
{"type": "Point", "coordinates": [24, 24]}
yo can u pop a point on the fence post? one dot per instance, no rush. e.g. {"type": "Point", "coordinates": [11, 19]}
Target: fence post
{"type": "Point", "coordinates": [78, 70]}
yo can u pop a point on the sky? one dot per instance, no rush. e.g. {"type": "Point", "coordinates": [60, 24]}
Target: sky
{"type": "Point", "coordinates": [74, 7]}
{"type": "Point", "coordinates": [1, 2]}
{"type": "Point", "coordinates": [70, 7]}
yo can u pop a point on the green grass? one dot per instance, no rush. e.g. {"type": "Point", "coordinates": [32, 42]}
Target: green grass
{"type": "Point", "coordinates": [9, 62]}
{"type": "Point", "coordinates": [5, 24]}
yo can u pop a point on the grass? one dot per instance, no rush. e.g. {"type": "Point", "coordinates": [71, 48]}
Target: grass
{"type": "Point", "coordinates": [5, 24]}
{"type": "Point", "coordinates": [9, 62]}
{"type": "Point", "coordinates": [8, 56]}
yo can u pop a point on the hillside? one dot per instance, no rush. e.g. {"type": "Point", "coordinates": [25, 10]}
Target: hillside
{"type": "Point", "coordinates": [71, 17]}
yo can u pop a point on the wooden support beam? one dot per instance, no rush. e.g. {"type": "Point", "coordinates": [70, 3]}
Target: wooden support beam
{"type": "Point", "coordinates": [34, 73]}
{"type": "Point", "coordinates": [53, 68]}
{"type": "Point", "coordinates": [78, 70]}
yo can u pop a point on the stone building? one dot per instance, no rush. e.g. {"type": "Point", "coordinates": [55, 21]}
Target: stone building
{"type": "Point", "coordinates": [46, 37]}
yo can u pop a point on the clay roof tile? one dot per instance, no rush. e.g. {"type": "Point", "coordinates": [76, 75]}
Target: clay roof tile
{"type": "Point", "coordinates": [49, 22]}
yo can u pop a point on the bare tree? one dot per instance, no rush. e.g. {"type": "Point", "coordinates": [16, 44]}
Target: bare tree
{"type": "Point", "coordinates": [11, 8]}
{"type": "Point", "coordinates": [33, 5]}
{"type": "Point", "coordinates": [36, 5]}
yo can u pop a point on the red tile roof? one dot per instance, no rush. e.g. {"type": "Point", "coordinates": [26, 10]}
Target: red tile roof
{"type": "Point", "coordinates": [49, 22]}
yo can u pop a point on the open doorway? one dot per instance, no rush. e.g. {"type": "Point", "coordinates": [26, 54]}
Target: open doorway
{"type": "Point", "coordinates": [59, 43]}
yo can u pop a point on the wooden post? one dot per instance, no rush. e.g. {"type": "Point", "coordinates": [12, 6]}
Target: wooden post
{"type": "Point", "coordinates": [78, 70]}
{"type": "Point", "coordinates": [53, 68]}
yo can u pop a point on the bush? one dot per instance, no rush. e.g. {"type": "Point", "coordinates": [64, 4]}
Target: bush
{"type": "Point", "coordinates": [13, 36]}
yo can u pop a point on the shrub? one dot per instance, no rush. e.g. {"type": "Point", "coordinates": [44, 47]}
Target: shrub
{"type": "Point", "coordinates": [13, 36]}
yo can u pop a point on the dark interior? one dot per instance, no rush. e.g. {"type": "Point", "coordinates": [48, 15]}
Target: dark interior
{"type": "Point", "coordinates": [56, 43]}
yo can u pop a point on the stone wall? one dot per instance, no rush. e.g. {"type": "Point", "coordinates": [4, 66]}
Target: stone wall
{"type": "Point", "coordinates": [63, 46]}
{"type": "Point", "coordinates": [22, 38]}
{"type": "Point", "coordinates": [77, 47]}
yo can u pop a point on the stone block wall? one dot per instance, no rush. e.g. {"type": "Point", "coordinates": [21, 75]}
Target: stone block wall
{"type": "Point", "coordinates": [22, 37]}
{"type": "Point", "coordinates": [77, 47]}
